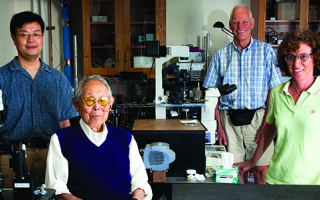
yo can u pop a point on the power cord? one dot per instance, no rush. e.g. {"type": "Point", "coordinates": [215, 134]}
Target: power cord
{"type": "Point", "coordinates": [145, 89]}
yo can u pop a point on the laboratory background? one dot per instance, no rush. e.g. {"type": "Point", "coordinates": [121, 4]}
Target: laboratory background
{"type": "Point", "coordinates": [155, 55]}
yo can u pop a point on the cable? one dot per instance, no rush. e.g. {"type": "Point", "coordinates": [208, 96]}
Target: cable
{"type": "Point", "coordinates": [145, 89]}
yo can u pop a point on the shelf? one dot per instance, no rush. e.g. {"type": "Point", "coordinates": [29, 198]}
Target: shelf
{"type": "Point", "coordinates": [103, 0]}
{"type": "Point", "coordinates": [135, 105]}
{"type": "Point", "coordinates": [282, 21]}
{"type": "Point", "coordinates": [181, 105]}
{"type": "Point", "coordinates": [102, 23]}
{"type": "Point", "coordinates": [141, 0]}
{"type": "Point", "coordinates": [289, 21]}
{"type": "Point", "coordinates": [103, 47]}
{"type": "Point", "coordinates": [103, 71]}
{"type": "Point", "coordinates": [139, 23]}
{"type": "Point", "coordinates": [138, 47]}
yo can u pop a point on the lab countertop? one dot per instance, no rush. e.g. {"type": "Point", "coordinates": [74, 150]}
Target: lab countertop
{"type": "Point", "coordinates": [223, 191]}
{"type": "Point", "coordinates": [166, 125]}
{"type": "Point", "coordinates": [177, 188]}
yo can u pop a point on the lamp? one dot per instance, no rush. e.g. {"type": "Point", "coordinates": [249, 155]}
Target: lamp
{"type": "Point", "coordinates": [221, 25]}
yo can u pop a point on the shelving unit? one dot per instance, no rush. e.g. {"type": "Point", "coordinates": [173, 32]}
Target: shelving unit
{"type": "Point", "coordinates": [110, 46]}
{"type": "Point", "coordinates": [259, 11]}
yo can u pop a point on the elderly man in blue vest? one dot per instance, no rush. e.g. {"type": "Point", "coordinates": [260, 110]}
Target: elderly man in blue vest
{"type": "Point", "coordinates": [92, 160]}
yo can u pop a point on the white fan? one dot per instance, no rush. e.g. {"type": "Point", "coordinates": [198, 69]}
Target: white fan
{"type": "Point", "coordinates": [158, 156]}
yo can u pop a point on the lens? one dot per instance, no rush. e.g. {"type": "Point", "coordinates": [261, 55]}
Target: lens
{"type": "Point", "coordinates": [304, 57]}
{"type": "Point", "coordinates": [103, 101]}
{"type": "Point", "coordinates": [90, 101]}
{"type": "Point", "coordinates": [290, 58]}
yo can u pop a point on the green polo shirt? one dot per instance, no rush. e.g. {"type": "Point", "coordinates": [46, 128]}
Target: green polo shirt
{"type": "Point", "coordinates": [295, 159]}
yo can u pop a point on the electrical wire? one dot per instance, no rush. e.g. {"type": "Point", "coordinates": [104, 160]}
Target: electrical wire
{"type": "Point", "coordinates": [145, 89]}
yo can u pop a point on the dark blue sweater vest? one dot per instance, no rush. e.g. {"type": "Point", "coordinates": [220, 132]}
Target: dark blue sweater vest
{"type": "Point", "coordinates": [97, 172]}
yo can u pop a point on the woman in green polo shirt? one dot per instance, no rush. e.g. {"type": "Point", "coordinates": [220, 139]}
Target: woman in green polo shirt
{"type": "Point", "coordinates": [294, 114]}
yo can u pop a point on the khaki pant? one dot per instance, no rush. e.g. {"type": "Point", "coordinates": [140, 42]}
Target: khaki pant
{"type": "Point", "coordinates": [36, 165]}
{"type": "Point", "coordinates": [241, 139]}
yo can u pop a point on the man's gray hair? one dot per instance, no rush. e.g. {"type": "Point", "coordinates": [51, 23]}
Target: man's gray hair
{"type": "Point", "coordinates": [85, 79]}
{"type": "Point", "coordinates": [240, 6]}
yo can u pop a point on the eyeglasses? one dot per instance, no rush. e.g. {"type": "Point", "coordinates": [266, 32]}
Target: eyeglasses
{"type": "Point", "coordinates": [290, 59]}
{"type": "Point", "coordinates": [26, 36]}
{"type": "Point", "coordinates": [90, 101]}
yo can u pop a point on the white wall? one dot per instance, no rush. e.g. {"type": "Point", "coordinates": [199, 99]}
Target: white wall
{"type": "Point", "coordinates": [10, 7]}
{"type": "Point", "coordinates": [7, 48]}
{"type": "Point", "coordinates": [188, 21]}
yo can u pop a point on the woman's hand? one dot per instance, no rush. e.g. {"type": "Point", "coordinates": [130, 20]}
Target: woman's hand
{"type": "Point", "coordinates": [244, 166]}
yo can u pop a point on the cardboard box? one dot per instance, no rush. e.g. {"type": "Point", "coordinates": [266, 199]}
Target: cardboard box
{"type": "Point", "coordinates": [288, 10]}
{"type": "Point", "coordinates": [227, 175]}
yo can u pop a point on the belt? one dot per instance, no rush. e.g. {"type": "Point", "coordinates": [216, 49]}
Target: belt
{"type": "Point", "coordinates": [34, 144]}
{"type": "Point", "coordinates": [244, 110]}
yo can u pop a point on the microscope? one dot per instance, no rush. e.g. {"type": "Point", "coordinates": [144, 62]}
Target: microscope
{"type": "Point", "coordinates": [179, 93]}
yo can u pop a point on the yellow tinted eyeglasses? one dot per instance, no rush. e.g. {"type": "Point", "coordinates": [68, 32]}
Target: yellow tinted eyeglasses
{"type": "Point", "coordinates": [90, 101]}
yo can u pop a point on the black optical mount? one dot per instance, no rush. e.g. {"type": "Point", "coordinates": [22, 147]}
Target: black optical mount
{"type": "Point", "coordinates": [22, 183]}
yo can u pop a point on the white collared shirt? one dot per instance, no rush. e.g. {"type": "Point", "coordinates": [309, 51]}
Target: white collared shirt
{"type": "Point", "coordinates": [57, 165]}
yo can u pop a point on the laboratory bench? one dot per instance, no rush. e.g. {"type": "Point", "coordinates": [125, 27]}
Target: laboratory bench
{"type": "Point", "coordinates": [188, 142]}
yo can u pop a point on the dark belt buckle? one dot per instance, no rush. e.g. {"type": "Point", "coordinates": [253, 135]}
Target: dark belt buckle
{"type": "Point", "coordinates": [36, 144]}
{"type": "Point", "coordinates": [31, 144]}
